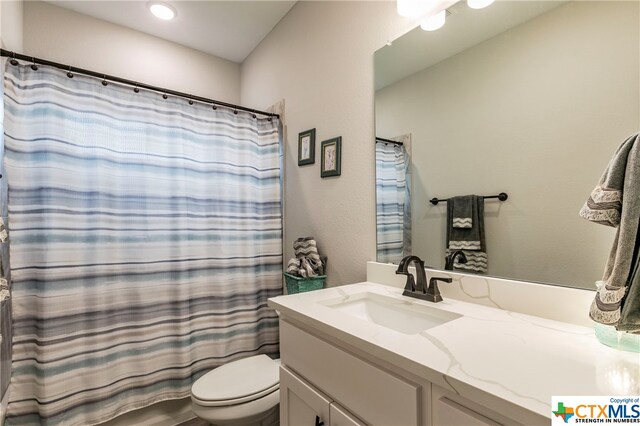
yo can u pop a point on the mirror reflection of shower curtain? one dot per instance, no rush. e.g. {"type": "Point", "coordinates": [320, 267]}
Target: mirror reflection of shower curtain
{"type": "Point", "coordinates": [5, 279]}
{"type": "Point", "coordinates": [146, 238]}
{"type": "Point", "coordinates": [393, 202]}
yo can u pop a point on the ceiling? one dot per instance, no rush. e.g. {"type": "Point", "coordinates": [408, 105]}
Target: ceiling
{"type": "Point", "coordinates": [464, 29]}
{"type": "Point", "coordinates": [227, 29]}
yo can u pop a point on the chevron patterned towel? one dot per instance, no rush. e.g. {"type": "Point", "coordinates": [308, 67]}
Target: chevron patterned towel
{"type": "Point", "coordinates": [470, 239]}
{"type": "Point", "coordinates": [301, 267]}
{"type": "Point", "coordinates": [307, 262]}
{"type": "Point", "coordinates": [462, 211]}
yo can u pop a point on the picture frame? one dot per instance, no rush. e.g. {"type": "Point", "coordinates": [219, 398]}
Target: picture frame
{"type": "Point", "coordinates": [331, 157]}
{"type": "Point", "coordinates": [307, 147]}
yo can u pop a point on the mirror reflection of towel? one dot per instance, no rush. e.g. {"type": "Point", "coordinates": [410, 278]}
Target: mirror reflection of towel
{"type": "Point", "coordinates": [470, 240]}
{"type": "Point", "coordinates": [462, 211]}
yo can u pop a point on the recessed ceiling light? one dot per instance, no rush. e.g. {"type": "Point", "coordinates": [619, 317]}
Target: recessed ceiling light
{"type": "Point", "coordinates": [162, 10]}
{"type": "Point", "coordinates": [479, 4]}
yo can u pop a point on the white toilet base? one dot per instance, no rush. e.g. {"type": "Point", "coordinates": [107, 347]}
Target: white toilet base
{"type": "Point", "coordinates": [262, 412]}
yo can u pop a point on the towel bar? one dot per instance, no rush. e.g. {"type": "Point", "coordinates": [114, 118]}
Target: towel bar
{"type": "Point", "coordinates": [501, 196]}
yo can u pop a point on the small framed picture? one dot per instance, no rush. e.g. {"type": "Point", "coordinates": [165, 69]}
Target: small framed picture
{"type": "Point", "coordinates": [307, 147]}
{"type": "Point", "coordinates": [330, 151]}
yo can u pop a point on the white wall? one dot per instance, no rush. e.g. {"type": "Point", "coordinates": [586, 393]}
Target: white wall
{"type": "Point", "coordinates": [319, 58]}
{"type": "Point", "coordinates": [536, 112]}
{"type": "Point", "coordinates": [11, 25]}
{"type": "Point", "coordinates": [61, 35]}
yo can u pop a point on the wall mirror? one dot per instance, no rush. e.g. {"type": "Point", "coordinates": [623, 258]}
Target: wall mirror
{"type": "Point", "coordinates": [530, 98]}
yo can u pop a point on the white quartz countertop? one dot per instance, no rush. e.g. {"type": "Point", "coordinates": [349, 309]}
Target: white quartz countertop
{"type": "Point", "coordinates": [521, 359]}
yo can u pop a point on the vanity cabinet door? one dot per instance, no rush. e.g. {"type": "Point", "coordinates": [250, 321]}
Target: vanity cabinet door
{"type": "Point", "coordinates": [300, 404]}
{"type": "Point", "coordinates": [376, 396]}
{"type": "Point", "coordinates": [341, 417]}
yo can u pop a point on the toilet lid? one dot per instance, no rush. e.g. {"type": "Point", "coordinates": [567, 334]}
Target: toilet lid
{"type": "Point", "coordinates": [238, 381]}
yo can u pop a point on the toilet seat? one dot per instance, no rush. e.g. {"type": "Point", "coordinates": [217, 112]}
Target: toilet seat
{"type": "Point", "coordinates": [226, 402]}
{"type": "Point", "coordinates": [237, 382]}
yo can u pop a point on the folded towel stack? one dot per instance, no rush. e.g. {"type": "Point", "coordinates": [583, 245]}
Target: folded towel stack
{"type": "Point", "coordinates": [307, 262]}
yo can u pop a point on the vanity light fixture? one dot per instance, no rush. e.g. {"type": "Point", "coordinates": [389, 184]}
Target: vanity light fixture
{"type": "Point", "coordinates": [162, 10]}
{"type": "Point", "coordinates": [434, 22]}
{"type": "Point", "coordinates": [479, 4]}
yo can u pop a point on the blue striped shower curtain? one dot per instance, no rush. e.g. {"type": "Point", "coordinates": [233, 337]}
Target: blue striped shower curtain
{"type": "Point", "coordinates": [146, 237]}
{"type": "Point", "coordinates": [393, 203]}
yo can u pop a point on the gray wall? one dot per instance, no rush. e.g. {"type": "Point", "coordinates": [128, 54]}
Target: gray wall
{"type": "Point", "coordinates": [65, 36]}
{"type": "Point", "coordinates": [319, 58]}
{"type": "Point", "coordinates": [11, 24]}
{"type": "Point", "coordinates": [536, 112]}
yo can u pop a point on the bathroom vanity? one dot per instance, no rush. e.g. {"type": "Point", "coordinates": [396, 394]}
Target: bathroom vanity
{"type": "Point", "coordinates": [363, 354]}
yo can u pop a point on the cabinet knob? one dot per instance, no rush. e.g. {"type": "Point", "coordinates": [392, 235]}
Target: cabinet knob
{"type": "Point", "coordinates": [319, 422]}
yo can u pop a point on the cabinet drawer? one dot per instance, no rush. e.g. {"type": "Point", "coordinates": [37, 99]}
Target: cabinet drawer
{"type": "Point", "coordinates": [452, 409]}
{"type": "Point", "coordinates": [377, 397]}
{"type": "Point", "coordinates": [449, 413]}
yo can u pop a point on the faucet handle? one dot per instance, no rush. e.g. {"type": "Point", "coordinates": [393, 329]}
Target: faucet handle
{"type": "Point", "coordinates": [433, 292]}
{"type": "Point", "coordinates": [434, 280]}
{"type": "Point", "coordinates": [411, 283]}
{"type": "Point", "coordinates": [450, 260]}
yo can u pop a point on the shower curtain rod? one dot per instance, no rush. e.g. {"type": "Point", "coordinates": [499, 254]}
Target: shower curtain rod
{"type": "Point", "coordinates": [137, 85]}
{"type": "Point", "coordinates": [388, 141]}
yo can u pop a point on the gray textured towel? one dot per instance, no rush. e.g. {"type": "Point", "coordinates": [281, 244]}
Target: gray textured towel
{"type": "Point", "coordinates": [462, 211]}
{"type": "Point", "coordinates": [630, 311]}
{"type": "Point", "coordinates": [4, 290]}
{"type": "Point", "coordinates": [616, 202]}
{"type": "Point", "coordinates": [470, 240]}
{"type": "Point", "coordinates": [307, 262]}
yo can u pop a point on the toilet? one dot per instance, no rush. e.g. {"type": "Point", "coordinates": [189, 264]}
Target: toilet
{"type": "Point", "coordinates": [244, 392]}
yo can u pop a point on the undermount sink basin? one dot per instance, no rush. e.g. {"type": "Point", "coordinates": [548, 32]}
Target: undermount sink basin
{"type": "Point", "coordinates": [402, 316]}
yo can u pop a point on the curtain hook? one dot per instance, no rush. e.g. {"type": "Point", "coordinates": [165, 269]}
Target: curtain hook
{"type": "Point", "coordinates": [214, 107]}
{"type": "Point", "coordinates": [34, 66]}
{"type": "Point", "coordinates": [13, 61]}
{"type": "Point", "coordinates": [104, 80]}
{"type": "Point", "coordinates": [270, 119]}
{"type": "Point", "coordinates": [190, 101]}
{"type": "Point", "coordinates": [235, 111]}
{"type": "Point", "coordinates": [135, 89]}
{"type": "Point", "coordinates": [70, 74]}
{"type": "Point", "coordinates": [164, 96]}
{"type": "Point", "coordinates": [254, 116]}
